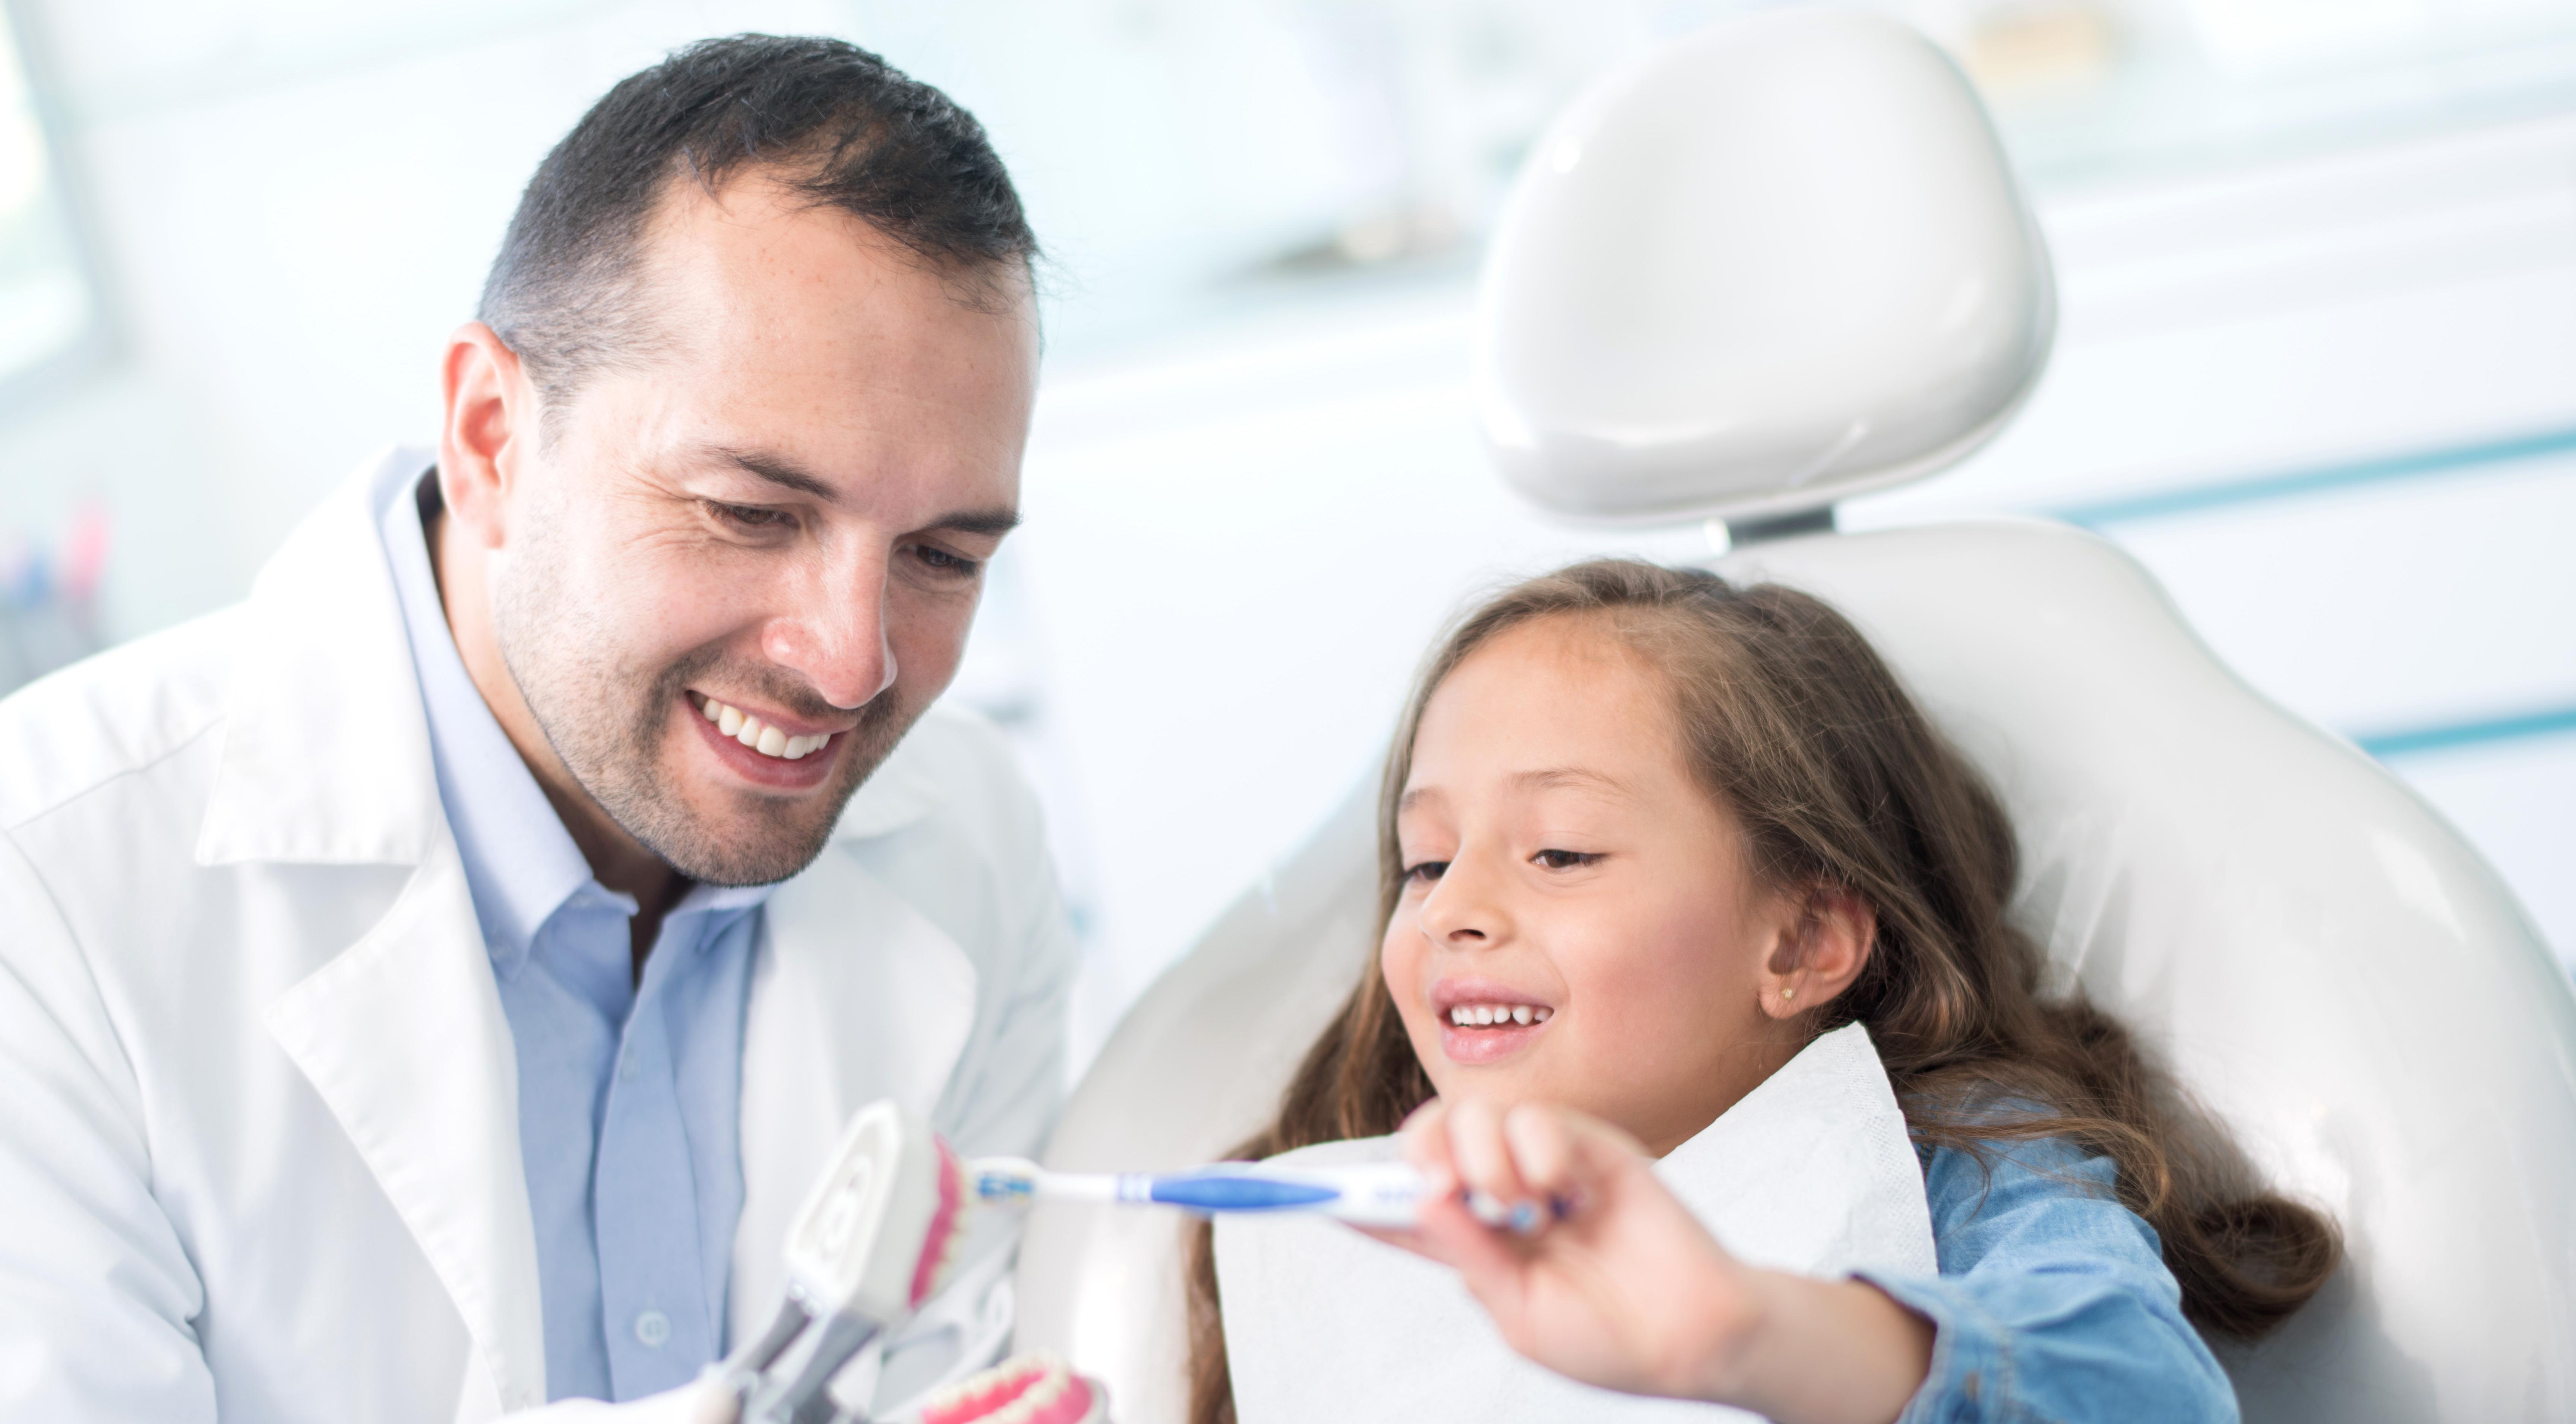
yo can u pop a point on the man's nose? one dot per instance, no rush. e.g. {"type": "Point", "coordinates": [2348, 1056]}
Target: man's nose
{"type": "Point", "coordinates": [839, 644]}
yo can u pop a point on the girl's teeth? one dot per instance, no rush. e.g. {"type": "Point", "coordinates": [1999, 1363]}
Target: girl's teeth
{"type": "Point", "coordinates": [1485, 1015]}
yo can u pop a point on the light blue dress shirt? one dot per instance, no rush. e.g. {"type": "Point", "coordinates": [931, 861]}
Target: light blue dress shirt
{"type": "Point", "coordinates": [629, 1093]}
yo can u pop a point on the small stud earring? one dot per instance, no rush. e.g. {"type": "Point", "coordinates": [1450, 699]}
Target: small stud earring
{"type": "Point", "coordinates": [1788, 993]}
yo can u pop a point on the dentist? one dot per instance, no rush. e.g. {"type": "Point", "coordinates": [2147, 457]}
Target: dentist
{"type": "Point", "coordinates": [427, 988]}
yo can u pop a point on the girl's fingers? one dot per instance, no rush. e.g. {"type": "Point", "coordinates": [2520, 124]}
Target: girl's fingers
{"type": "Point", "coordinates": [1565, 1155]}
{"type": "Point", "coordinates": [1424, 1140]}
{"type": "Point", "coordinates": [1445, 1232]}
{"type": "Point", "coordinates": [1519, 1166]}
{"type": "Point", "coordinates": [1542, 1145]}
{"type": "Point", "coordinates": [1484, 1156]}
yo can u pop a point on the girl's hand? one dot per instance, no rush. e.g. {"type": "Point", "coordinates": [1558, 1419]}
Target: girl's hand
{"type": "Point", "coordinates": [1620, 1286]}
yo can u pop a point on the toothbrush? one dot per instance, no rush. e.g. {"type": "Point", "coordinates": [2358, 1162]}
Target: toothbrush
{"type": "Point", "coordinates": [1381, 1194]}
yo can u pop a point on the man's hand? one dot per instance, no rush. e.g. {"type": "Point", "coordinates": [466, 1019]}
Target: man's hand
{"type": "Point", "coordinates": [1619, 1285]}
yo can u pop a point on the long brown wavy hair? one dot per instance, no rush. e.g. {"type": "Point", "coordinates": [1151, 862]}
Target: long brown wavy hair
{"type": "Point", "coordinates": [1837, 780]}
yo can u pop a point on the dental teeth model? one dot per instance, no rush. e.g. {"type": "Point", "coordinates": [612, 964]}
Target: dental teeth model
{"type": "Point", "coordinates": [752, 733]}
{"type": "Point", "coordinates": [871, 1243]}
{"type": "Point", "coordinates": [1034, 1389]}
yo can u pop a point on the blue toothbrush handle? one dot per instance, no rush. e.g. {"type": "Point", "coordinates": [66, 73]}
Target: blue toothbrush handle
{"type": "Point", "coordinates": [1225, 1191]}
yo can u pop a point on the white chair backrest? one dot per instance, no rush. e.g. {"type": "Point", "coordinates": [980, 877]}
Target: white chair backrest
{"type": "Point", "coordinates": [1777, 262]}
{"type": "Point", "coordinates": [2317, 955]}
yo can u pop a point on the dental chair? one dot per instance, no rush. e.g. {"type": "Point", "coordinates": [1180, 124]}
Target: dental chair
{"type": "Point", "coordinates": [1781, 262]}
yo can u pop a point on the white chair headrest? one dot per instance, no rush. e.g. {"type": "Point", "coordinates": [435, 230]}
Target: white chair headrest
{"type": "Point", "coordinates": [1778, 262]}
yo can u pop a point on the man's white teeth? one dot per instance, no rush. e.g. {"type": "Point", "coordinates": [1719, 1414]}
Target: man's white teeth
{"type": "Point", "coordinates": [1481, 1015]}
{"type": "Point", "coordinates": [764, 739]}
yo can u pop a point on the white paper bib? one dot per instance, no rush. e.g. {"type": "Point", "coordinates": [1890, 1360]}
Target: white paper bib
{"type": "Point", "coordinates": [1811, 1172]}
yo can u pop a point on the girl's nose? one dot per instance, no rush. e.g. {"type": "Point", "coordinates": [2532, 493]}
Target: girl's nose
{"type": "Point", "coordinates": [1460, 911]}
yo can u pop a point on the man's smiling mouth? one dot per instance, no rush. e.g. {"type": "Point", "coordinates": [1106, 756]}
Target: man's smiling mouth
{"type": "Point", "coordinates": [760, 737]}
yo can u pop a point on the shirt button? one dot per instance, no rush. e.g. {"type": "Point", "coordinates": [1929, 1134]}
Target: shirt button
{"type": "Point", "coordinates": [653, 1328]}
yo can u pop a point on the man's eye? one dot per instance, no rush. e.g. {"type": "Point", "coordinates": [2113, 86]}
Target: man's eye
{"type": "Point", "coordinates": [750, 516]}
{"type": "Point", "coordinates": [943, 562]}
{"type": "Point", "coordinates": [1565, 859]}
{"type": "Point", "coordinates": [1426, 871]}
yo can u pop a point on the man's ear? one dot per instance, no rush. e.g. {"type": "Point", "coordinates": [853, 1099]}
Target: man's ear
{"type": "Point", "coordinates": [1825, 939]}
{"type": "Point", "coordinates": [491, 425]}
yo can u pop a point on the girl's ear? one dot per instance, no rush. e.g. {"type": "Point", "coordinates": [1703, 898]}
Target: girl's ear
{"type": "Point", "coordinates": [1823, 946]}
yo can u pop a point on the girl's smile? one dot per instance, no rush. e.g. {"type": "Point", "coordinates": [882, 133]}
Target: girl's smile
{"type": "Point", "coordinates": [1482, 1021]}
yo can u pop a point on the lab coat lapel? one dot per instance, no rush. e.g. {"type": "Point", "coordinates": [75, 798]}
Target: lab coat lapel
{"type": "Point", "coordinates": [856, 995]}
{"type": "Point", "coordinates": [327, 761]}
{"type": "Point", "coordinates": [404, 1038]}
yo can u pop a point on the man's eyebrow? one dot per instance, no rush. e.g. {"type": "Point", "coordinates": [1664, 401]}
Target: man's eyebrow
{"type": "Point", "coordinates": [775, 470]}
{"type": "Point", "coordinates": [994, 522]}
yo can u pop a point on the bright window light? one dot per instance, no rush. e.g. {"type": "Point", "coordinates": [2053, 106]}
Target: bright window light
{"type": "Point", "coordinates": [48, 308]}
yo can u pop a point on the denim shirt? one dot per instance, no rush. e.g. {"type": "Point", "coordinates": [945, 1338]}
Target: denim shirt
{"type": "Point", "coordinates": [2053, 1300]}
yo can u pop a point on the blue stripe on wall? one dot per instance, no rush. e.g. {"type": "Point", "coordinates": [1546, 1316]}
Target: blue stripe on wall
{"type": "Point", "coordinates": [2323, 479]}
{"type": "Point", "coordinates": [2257, 489]}
{"type": "Point", "coordinates": [2447, 735]}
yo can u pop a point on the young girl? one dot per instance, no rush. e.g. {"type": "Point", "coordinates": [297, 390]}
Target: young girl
{"type": "Point", "coordinates": [1644, 837]}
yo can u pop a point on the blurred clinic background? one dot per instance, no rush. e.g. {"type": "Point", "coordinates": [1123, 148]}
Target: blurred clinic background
{"type": "Point", "coordinates": [2317, 364]}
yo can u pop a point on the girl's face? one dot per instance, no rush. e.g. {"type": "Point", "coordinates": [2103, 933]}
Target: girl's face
{"type": "Point", "coordinates": [1578, 924]}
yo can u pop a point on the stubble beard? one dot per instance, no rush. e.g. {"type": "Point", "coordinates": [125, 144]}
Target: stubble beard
{"type": "Point", "coordinates": [608, 719]}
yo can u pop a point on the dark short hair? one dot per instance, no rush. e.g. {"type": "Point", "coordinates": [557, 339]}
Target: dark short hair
{"type": "Point", "coordinates": [834, 121]}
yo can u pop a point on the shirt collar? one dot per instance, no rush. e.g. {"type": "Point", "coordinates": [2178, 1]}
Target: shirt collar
{"type": "Point", "coordinates": [521, 865]}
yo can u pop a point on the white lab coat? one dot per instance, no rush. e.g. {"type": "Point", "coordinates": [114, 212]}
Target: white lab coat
{"type": "Point", "coordinates": [259, 1153]}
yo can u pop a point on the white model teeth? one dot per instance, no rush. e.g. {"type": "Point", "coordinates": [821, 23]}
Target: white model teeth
{"type": "Point", "coordinates": [1481, 1015]}
{"type": "Point", "coordinates": [753, 733]}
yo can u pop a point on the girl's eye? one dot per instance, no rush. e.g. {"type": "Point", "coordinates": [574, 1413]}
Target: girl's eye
{"type": "Point", "coordinates": [940, 561]}
{"type": "Point", "coordinates": [1565, 859]}
{"type": "Point", "coordinates": [1426, 871]}
{"type": "Point", "coordinates": [752, 516]}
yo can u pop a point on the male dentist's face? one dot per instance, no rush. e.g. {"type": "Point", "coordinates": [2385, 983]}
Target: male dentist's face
{"type": "Point", "coordinates": [741, 562]}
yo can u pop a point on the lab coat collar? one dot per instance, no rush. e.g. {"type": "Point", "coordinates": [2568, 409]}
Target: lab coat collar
{"type": "Point", "coordinates": [326, 750]}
